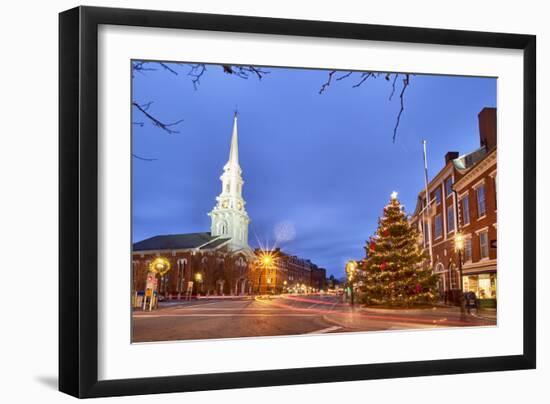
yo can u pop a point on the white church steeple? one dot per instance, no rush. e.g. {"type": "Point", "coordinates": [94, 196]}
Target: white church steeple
{"type": "Point", "coordinates": [229, 217]}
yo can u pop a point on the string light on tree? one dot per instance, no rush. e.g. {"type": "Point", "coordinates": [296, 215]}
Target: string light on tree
{"type": "Point", "coordinates": [392, 268]}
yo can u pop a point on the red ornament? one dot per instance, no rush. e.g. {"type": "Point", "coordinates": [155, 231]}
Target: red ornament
{"type": "Point", "coordinates": [372, 246]}
{"type": "Point", "coordinates": [383, 266]}
{"type": "Point", "coordinates": [386, 233]}
{"type": "Point", "coordinates": [418, 288]}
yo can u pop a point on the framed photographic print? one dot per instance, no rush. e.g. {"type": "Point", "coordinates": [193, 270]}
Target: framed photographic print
{"type": "Point", "coordinates": [251, 201]}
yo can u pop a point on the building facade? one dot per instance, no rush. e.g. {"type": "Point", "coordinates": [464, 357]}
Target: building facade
{"type": "Point", "coordinates": [462, 201]}
{"type": "Point", "coordinates": [219, 262]}
{"type": "Point", "coordinates": [290, 273]}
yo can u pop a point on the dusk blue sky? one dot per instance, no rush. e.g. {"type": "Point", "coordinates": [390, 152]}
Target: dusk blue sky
{"type": "Point", "coordinates": [325, 163]}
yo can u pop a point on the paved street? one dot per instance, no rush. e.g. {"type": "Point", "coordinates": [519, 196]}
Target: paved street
{"type": "Point", "coordinates": [283, 315]}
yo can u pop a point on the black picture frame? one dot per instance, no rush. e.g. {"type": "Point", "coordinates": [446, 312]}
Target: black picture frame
{"type": "Point", "coordinates": [78, 201]}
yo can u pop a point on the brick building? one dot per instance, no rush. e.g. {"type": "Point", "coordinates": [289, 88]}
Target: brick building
{"type": "Point", "coordinates": [200, 258]}
{"type": "Point", "coordinates": [216, 262]}
{"type": "Point", "coordinates": [221, 262]}
{"type": "Point", "coordinates": [465, 188]}
{"type": "Point", "coordinates": [290, 273]}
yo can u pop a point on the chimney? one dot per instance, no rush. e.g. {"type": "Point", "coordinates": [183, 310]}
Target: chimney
{"type": "Point", "coordinates": [450, 156]}
{"type": "Point", "coordinates": [488, 128]}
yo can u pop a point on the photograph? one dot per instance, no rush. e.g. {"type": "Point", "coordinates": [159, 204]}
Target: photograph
{"type": "Point", "coordinates": [282, 201]}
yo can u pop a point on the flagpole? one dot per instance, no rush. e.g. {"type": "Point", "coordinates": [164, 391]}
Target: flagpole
{"type": "Point", "coordinates": [427, 207]}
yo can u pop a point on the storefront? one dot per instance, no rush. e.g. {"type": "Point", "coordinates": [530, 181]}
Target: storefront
{"type": "Point", "coordinates": [484, 286]}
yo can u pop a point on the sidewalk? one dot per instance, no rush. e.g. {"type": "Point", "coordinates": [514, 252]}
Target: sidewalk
{"type": "Point", "coordinates": [490, 314]}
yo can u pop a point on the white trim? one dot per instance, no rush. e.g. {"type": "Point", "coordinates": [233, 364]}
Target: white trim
{"type": "Point", "coordinates": [478, 184]}
{"type": "Point", "coordinates": [486, 228]}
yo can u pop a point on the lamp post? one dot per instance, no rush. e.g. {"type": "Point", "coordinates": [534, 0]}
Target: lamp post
{"type": "Point", "coordinates": [198, 279]}
{"type": "Point", "coordinates": [266, 260]}
{"type": "Point", "coordinates": [351, 267]}
{"type": "Point", "coordinates": [459, 247]}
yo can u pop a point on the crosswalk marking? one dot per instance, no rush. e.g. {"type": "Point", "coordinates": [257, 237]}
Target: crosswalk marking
{"type": "Point", "coordinates": [225, 315]}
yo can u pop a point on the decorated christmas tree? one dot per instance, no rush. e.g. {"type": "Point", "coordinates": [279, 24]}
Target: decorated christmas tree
{"type": "Point", "coordinates": [393, 272]}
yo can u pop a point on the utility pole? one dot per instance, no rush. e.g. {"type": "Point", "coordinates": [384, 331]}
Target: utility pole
{"type": "Point", "coordinates": [427, 218]}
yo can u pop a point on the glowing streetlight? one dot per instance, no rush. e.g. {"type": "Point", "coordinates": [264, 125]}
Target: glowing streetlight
{"type": "Point", "coordinates": [266, 259]}
{"type": "Point", "coordinates": [159, 265]}
{"type": "Point", "coordinates": [198, 277]}
{"type": "Point", "coordinates": [459, 242]}
{"type": "Point", "coordinates": [351, 268]}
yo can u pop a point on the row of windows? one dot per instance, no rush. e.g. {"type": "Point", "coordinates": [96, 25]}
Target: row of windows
{"type": "Point", "coordinates": [448, 190]}
{"type": "Point", "coordinates": [483, 240]}
{"type": "Point", "coordinates": [438, 229]}
{"type": "Point", "coordinates": [481, 208]}
{"type": "Point", "coordinates": [481, 204]}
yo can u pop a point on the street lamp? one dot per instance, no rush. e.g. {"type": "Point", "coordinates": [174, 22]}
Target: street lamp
{"type": "Point", "coordinates": [198, 279]}
{"type": "Point", "coordinates": [459, 247]}
{"type": "Point", "coordinates": [351, 267]}
{"type": "Point", "coordinates": [266, 260]}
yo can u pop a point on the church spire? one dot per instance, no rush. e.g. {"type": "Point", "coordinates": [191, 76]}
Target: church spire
{"type": "Point", "coordinates": [234, 151]}
{"type": "Point", "coordinates": [229, 217]}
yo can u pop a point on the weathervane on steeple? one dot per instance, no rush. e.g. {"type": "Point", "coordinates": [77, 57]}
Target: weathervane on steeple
{"type": "Point", "coordinates": [236, 111]}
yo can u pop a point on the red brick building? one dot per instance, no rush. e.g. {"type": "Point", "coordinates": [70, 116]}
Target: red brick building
{"type": "Point", "coordinates": [220, 262]}
{"type": "Point", "coordinates": [290, 273]}
{"type": "Point", "coordinates": [205, 260]}
{"type": "Point", "coordinates": [465, 188]}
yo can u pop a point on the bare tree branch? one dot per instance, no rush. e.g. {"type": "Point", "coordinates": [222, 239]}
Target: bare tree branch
{"type": "Point", "coordinates": [244, 71]}
{"type": "Point", "coordinates": [364, 77]}
{"type": "Point", "coordinates": [393, 86]}
{"type": "Point", "coordinates": [329, 80]}
{"type": "Point", "coordinates": [196, 73]}
{"type": "Point", "coordinates": [141, 67]}
{"type": "Point", "coordinates": [344, 76]}
{"type": "Point", "coordinates": [168, 68]}
{"type": "Point", "coordinates": [405, 85]}
{"type": "Point", "coordinates": [156, 122]}
{"type": "Point", "coordinates": [143, 158]}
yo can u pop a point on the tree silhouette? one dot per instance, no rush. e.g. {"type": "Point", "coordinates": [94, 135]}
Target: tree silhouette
{"type": "Point", "coordinates": [196, 72]}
